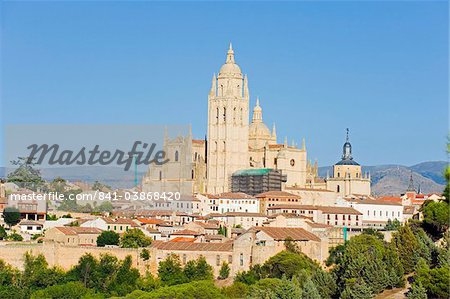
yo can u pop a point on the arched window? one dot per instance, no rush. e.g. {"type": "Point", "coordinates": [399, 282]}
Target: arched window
{"type": "Point", "coordinates": [338, 189]}
{"type": "Point", "coordinates": [176, 156]}
{"type": "Point", "coordinates": [192, 173]}
{"type": "Point", "coordinates": [224, 146]}
{"type": "Point", "coordinates": [224, 114]}
{"type": "Point", "coordinates": [217, 115]}
{"type": "Point", "coordinates": [339, 174]}
{"type": "Point", "coordinates": [221, 89]}
{"type": "Point", "coordinates": [195, 156]}
{"type": "Point", "coordinates": [241, 116]}
{"type": "Point", "coordinates": [234, 115]}
{"type": "Point", "coordinates": [160, 175]}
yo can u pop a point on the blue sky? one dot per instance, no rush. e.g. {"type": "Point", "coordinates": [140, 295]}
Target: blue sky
{"type": "Point", "coordinates": [379, 68]}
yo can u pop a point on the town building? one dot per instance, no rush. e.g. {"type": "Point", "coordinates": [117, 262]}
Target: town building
{"type": "Point", "coordinates": [347, 177]}
{"type": "Point", "coordinates": [73, 235]}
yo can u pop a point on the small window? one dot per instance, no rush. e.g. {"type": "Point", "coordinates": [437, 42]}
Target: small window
{"type": "Point", "coordinates": [217, 260]}
{"type": "Point", "coordinates": [292, 162]}
{"type": "Point", "coordinates": [176, 156]}
{"type": "Point", "coordinates": [241, 259]}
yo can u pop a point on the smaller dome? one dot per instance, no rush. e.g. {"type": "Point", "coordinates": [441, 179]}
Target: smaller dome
{"type": "Point", "coordinates": [230, 68]}
{"type": "Point", "coordinates": [347, 162]}
{"type": "Point", "coordinates": [259, 130]}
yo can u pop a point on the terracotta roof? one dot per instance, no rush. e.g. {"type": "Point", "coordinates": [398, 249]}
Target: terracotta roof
{"type": "Point", "coordinates": [30, 222]}
{"type": "Point", "coordinates": [319, 225]}
{"type": "Point", "coordinates": [190, 246]}
{"type": "Point", "coordinates": [208, 225]}
{"type": "Point", "coordinates": [375, 202]}
{"type": "Point", "coordinates": [183, 239]}
{"type": "Point", "coordinates": [215, 237]}
{"type": "Point", "coordinates": [282, 233]}
{"type": "Point", "coordinates": [186, 232]}
{"type": "Point", "coordinates": [277, 194]}
{"type": "Point", "coordinates": [289, 215]}
{"type": "Point", "coordinates": [210, 196]}
{"type": "Point", "coordinates": [76, 230]}
{"type": "Point", "coordinates": [198, 141]}
{"type": "Point", "coordinates": [123, 221]}
{"type": "Point", "coordinates": [339, 210]}
{"type": "Point", "coordinates": [150, 220]}
{"type": "Point", "coordinates": [235, 195]}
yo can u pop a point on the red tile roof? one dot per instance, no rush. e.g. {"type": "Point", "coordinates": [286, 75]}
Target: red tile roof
{"type": "Point", "coordinates": [76, 230]}
{"type": "Point", "coordinates": [282, 233]}
{"type": "Point", "coordinates": [183, 239]}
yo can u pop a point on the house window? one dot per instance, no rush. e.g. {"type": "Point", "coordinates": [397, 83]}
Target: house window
{"type": "Point", "coordinates": [241, 259]}
{"type": "Point", "coordinates": [230, 259]}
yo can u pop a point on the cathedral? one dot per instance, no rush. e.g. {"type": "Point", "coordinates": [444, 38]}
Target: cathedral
{"type": "Point", "coordinates": [233, 144]}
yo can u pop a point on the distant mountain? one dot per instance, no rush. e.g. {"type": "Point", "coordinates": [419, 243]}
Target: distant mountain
{"type": "Point", "coordinates": [113, 176]}
{"type": "Point", "coordinates": [386, 179]}
{"type": "Point", "coordinates": [394, 179]}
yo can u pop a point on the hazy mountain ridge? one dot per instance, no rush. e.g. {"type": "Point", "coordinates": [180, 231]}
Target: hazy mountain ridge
{"type": "Point", "coordinates": [394, 179]}
{"type": "Point", "coordinates": [386, 179]}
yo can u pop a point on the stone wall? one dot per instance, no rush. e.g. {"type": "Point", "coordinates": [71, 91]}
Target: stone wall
{"type": "Point", "coordinates": [68, 256]}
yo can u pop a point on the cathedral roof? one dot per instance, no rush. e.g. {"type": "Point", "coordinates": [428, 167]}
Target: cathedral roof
{"type": "Point", "coordinates": [257, 128]}
{"type": "Point", "coordinates": [230, 66]}
{"type": "Point", "coordinates": [347, 158]}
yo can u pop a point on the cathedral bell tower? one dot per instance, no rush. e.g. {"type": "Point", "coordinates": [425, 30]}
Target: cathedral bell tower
{"type": "Point", "coordinates": [228, 121]}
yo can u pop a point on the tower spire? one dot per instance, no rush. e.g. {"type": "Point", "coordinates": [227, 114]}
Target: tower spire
{"type": "Point", "coordinates": [347, 136]}
{"type": "Point", "coordinates": [411, 184]}
{"type": "Point", "coordinates": [257, 112]}
{"type": "Point", "coordinates": [230, 55]}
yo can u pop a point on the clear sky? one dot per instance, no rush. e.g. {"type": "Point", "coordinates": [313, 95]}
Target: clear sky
{"type": "Point", "coordinates": [378, 68]}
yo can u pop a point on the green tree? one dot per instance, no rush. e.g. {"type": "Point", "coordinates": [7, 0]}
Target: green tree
{"type": "Point", "coordinates": [37, 274]}
{"type": "Point", "coordinates": [14, 237]}
{"type": "Point", "coordinates": [325, 283]}
{"type": "Point", "coordinates": [198, 270]}
{"type": "Point", "coordinates": [170, 271]}
{"type": "Point", "coordinates": [193, 290]}
{"type": "Point", "coordinates": [25, 175]}
{"type": "Point", "coordinates": [3, 233]}
{"type": "Point", "coordinates": [309, 290]}
{"type": "Point", "coordinates": [236, 290]}
{"type": "Point", "coordinates": [435, 217]}
{"type": "Point", "coordinates": [407, 247]}
{"type": "Point", "coordinates": [11, 216]}
{"type": "Point", "coordinates": [58, 185]}
{"type": "Point", "coordinates": [69, 290]}
{"type": "Point", "coordinates": [224, 271]}
{"type": "Point", "coordinates": [417, 291]}
{"type": "Point", "coordinates": [288, 264]}
{"type": "Point", "coordinates": [108, 238]}
{"type": "Point", "coordinates": [356, 289]}
{"type": "Point", "coordinates": [145, 254]}
{"type": "Point", "coordinates": [392, 224]}
{"type": "Point", "coordinates": [85, 271]}
{"type": "Point", "coordinates": [291, 246]}
{"type": "Point", "coordinates": [335, 255]}
{"type": "Point", "coordinates": [135, 238]}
